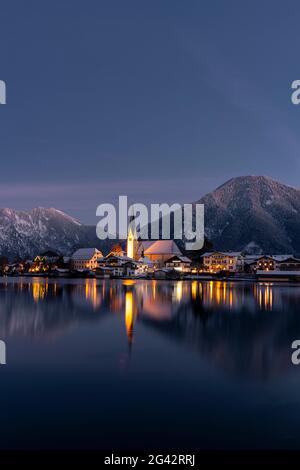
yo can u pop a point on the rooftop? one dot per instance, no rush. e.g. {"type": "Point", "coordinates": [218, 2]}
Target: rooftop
{"type": "Point", "coordinates": [163, 247]}
{"type": "Point", "coordinates": [85, 254]}
{"type": "Point", "coordinates": [224, 253]}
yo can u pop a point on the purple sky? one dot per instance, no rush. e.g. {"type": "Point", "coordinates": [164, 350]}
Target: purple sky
{"type": "Point", "coordinates": [161, 101]}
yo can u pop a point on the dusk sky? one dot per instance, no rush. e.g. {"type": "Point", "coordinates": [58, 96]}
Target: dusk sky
{"type": "Point", "coordinates": [160, 100]}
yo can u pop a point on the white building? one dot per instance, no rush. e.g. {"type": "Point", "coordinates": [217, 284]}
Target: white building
{"type": "Point", "coordinates": [118, 266]}
{"type": "Point", "coordinates": [276, 263]}
{"type": "Point", "coordinates": [217, 261]}
{"type": "Point", "coordinates": [144, 266]}
{"type": "Point", "coordinates": [179, 263]}
{"type": "Point", "coordinates": [159, 251]}
{"type": "Point", "coordinates": [85, 258]}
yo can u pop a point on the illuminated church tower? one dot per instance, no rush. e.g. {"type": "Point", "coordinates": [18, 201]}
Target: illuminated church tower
{"type": "Point", "coordinates": [132, 242]}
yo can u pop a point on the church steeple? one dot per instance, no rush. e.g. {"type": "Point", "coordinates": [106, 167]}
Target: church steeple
{"type": "Point", "coordinates": [132, 242]}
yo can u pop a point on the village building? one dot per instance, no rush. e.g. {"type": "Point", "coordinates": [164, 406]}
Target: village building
{"type": "Point", "coordinates": [265, 263]}
{"type": "Point", "coordinates": [157, 252]}
{"type": "Point", "coordinates": [217, 261]}
{"type": "Point", "coordinates": [161, 251]}
{"type": "Point", "coordinates": [40, 265]}
{"type": "Point", "coordinates": [144, 266]}
{"type": "Point", "coordinates": [160, 273]}
{"type": "Point", "coordinates": [117, 266]}
{"type": "Point", "coordinates": [129, 269]}
{"type": "Point", "coordinates": [287, 263]}
{"type": "Point", "coordinates": [117, 250]}
{"type": "Point", "coordinates": [271, 263]}
{"type": "Point", "coordinates": [179, 263]}
{"type": "Point", "coordinates": [85, 258]}
{"type": "Point", "coordinates": [250, 263]}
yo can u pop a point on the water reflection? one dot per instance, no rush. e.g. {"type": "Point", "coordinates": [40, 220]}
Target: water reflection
{"type": "Point", "coordinates": [39, 290]}
{"type": "Point", "coordinates": [242, 328]}
{"type": "Point", "coordinates": [264, 296]}
{"type": "Point", "coordinates": [130, 314]}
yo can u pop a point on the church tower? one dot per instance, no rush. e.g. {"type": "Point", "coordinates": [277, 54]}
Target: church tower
{"type": "Point", "coordinates": [132, 242]}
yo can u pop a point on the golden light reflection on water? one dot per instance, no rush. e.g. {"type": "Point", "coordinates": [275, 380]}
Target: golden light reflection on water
{"type": "Point", "coordinates": [89, 291]}
{"type": "Point", "coordinates": [212, 293]}
{"type": "Point", "coordinates": [154, 286]}
{"type": "Point", "coordinates": [129, 315]}
{"type": "Point", "coordinates": [129, 282]}
{"type": "Point", "coordinates": [219, 293]}
{"type": "Point", "coordinates": [93, 293]}
{"type": "Point", "coordinates": [39, 290]}
{"type": "Point", "coordinates": [264, 295]}
{"type": "Point", "coordinates": [179, 291]}
{"type": "Point", "coordinates": [156, 299]}
{"type": "Point", "coordinates": [194, 289]}
{"type": "Point", "coordinates": [215, 318]}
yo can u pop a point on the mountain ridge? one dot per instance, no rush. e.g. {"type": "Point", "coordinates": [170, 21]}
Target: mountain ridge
{"type": "Point", "coordinates": [253, 210]}
{"type": "Point", "coordinates": [256, 214]}
{"type": "Point", "coordinates": [28, 233]}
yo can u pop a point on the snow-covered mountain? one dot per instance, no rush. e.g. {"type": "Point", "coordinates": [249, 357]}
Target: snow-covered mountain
{"type": "Point", "coordinates": [254, 213]}
{"type": "Point", "coordinates": [26, 234]}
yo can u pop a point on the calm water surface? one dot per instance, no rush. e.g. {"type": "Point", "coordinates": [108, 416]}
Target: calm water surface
{"type": "Point", "coordinates": [148, 364]}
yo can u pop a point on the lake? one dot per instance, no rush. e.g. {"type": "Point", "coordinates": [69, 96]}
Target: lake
{"type": "Point", "coordinates": [123, 364]}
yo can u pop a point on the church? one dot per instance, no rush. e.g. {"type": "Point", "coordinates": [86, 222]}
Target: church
{"type": "Point", "coordinates": [158, 251]}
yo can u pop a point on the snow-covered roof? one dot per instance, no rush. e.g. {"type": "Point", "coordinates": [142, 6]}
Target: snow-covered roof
{"type": "Point", "coordinates": [143, 245]}
{"type": "Point", "coordinates": [282, 257]}
{"type": "Point", "coordinates": [183, 259]}
{"type": "Point", "coordinates": [251, 259]}
{"type": "Point", "coordinates": [146, 260]}
{"type": "Point", "coordinates": [85, 254]}
{"type": "Point", "coordinates": [111, 257]}
{"type": "Point", "coordinates": [224, 253]}
{"type": "Point", "coordinates": [278, 258]}
{"type": "Point", "coordinates": [163, 247]}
